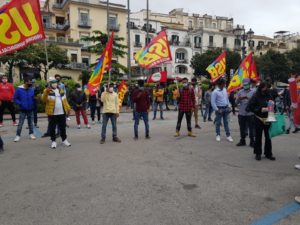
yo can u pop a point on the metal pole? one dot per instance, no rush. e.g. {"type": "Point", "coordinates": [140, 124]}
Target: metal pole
{"type": "Point", "coordinates": [128, 41]}
{"type": "Point", "coordinates": [107, 11]}
{"type": "Point", "coordinates": [147, 30]}
{"type": "Point", "coordinates": [47, 59]}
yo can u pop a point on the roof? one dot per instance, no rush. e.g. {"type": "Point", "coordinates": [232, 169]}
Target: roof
{"type": "Point", "coordinates": [262, 37]}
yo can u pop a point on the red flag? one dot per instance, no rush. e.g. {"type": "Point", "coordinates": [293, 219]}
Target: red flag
{"type": "Point", "coordinates": [155, 53]}
{"type": "Point", "coordinates": [218, 68]}
{"type": "Point", "coordinates": [20, 25]}
{"type": "Point", "coordinates": [158, 77]}
{"type": "Point", "coordinates": [121, 92]}
{"type": "Point", "coordinates": [253, 74]}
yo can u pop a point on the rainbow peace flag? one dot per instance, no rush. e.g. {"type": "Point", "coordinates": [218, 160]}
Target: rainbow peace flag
{"type": "Point", "coordinates": [244, 71]}
{"type": "Point", "coordinates": [103, 65]}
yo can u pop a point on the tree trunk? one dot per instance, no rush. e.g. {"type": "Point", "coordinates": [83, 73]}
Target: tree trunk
{"type": "Point", "coordinates": [10, 73]}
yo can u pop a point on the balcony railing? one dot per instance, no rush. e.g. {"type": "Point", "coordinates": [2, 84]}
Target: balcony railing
{"type": "Point", "coordinates": [150, 30]}
{"type": "Point", "coordinates": [63, 41]}
{"type": "Point", "coordinates": [85, 23]}
{"type": "Point", "coordinates": [64, 26]}
{"type": "Point", "coordinates": [184, 61]}
{"type": "Point", "coordinates": [138, 44]}
{"type": "Point", "coordinates": [198, 45]}
{"type": "Point", "coordinates": [114, 27]}
{"type": "Point", "coordinates": [77, 66]}
{"type": "Point", "coordinates": [211, 45]}
{"type": "Point", "coordinates": [174, 43]}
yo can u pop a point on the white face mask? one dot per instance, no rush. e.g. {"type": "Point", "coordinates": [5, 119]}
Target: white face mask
{"type": "Point", "coordinates": [4, 80]}
{"type": "Point", "coordinates": [111, 89]}
{"type": "Point", "coordinates": [78, 89]}
{"type": "Point", "coordinates": [54, 86]}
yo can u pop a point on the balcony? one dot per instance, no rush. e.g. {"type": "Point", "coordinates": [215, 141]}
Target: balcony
{"type": "Point", "coordinates": [62, 27]}
{"type": "Point", "coordinates": [63, 41]}
{"type": "Point", "coordinates": [182, 61]}
{"type": "Point", "coordinates": [114, 27]}
{"type": "Point", "coordinates": [198, 45]}
{"type": "Point", "coordinates": [77, 66]}
{"type": "Point", "coordinates": [174, 43]}
{"type": "Point", "coordinates": [150, 29]}
{"type": "Point", "coordinates": [211, 45]}
{"type": "Point", "coordinates": [137, 44]}
{"type": "Point", "coordinates": [85, 23]}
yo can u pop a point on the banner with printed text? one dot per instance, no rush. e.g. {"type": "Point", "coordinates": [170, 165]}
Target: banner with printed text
{"type": "Point", "coordinates": [20, 25]}
{"type": "Point", "coordinates": [155, 53]}
{"type": "Point", "coordinates": [218, 68]}
{"type": "Point", "coordinates": [121, 92]}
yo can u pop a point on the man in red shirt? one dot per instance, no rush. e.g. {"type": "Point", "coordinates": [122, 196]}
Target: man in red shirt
{"type": "Point", "coordinates": [186, 101]}
{"type": "Point", "coordinates": [7, 92]}
{"type": "Point", "coordinates": [141, 99]}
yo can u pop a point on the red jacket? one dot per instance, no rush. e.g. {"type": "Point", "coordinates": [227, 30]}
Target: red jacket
{"type": "Point", "coordinates": [7, 92]}
{"type": "Point", "coordinates": [186, 100]}
{"type": "Point", "coordinates": [142, 100]}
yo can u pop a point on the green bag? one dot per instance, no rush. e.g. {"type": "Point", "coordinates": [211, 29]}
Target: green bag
{"type": "Point", "coordinates": [277, 128]}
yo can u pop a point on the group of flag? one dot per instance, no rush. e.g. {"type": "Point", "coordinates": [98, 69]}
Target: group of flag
{"type": "Point", "coordinates": [247, 69]}
{"type": "Point", "coordinates": [153, 54]}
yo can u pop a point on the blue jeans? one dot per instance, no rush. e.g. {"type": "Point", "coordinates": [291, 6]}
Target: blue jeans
{"type": "Point", "coordinates": [208, 111]}
{"type": "Point", "coordinates": [113, 118]}
{"type": "Point", "coordinates": [156, 104]}
{"type": "Point", "coordinates": [22, 117]}
{"type": "Point", "coordinates": [219, 116]}
{"type": "Point", "coordinates": [137, 117]}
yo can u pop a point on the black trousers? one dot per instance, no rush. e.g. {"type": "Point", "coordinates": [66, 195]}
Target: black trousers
{"type": "Point", "coordinates": [261, 128]}
{"type": "Point", "coordinates": [188, 117]}
{"type": "Point", "coordinates": [1, 143]}
{"type": "Point", "coordinates": [60, 121]}
{"type": "Point", "coordinates": [246, 125]}
{"type": "Point", "coordinates": [10, 106]}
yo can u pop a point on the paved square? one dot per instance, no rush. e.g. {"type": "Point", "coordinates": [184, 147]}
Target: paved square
{"type": "Point", "coordinates": [162, 181]}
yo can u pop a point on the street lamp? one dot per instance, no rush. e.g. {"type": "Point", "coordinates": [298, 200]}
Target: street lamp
{"type": "Point", "coordinates": [241, 35]}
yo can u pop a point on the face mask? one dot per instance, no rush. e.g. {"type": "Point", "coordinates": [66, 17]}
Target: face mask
{"type": "Point", "coordinates": [247, 87]}
{"type": "Point", "coordinates": [54, 86]}
{"type": "Point", "coordinates": [141, 88]}
{"type": "Point", "coordinates": [185, 84]}
{"type": "Point", "coordinates": [78, 89]}
{"type": "Point", "coordinates": [111, 89]}
{"type": "Point", "coordinates": [4, 80]}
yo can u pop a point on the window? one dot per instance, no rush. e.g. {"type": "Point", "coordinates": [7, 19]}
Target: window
{"type": "Point", "coordinates": [197, 41]}
{"type": "Point", "coordinates": [112, 21]}
{"type": "Point", "coordinates": [190, 24]}
{"type": "Point", "coordinates": [147, 40]}
{"type": "Point", "coordinates": [224, 42]}
{"type": "Point", "coordinates": [180, 69]}
{"type": "Point", "coordinates": [180, 55]}
{"type": "Point", "coordinates": [201, 24]}
{"type": "Point", "coordinates": [73, 57]}
{"type": "Point", "coordinates": [214, 25]}
{"type": "Point", "coordinates": [84, 43]}
{"type": "Point", "coordinates": [47, 21]}
{"type": "Point", "coordinates": [84, 18]}
{"type": "Point", "coordinates": [211, 40]}
{"type": "Point", "coordinates": [86, 61]}
{"type": "Point", "coordinates": [175, 39]}
{"type": "Point", "coordinates": [137, 39]}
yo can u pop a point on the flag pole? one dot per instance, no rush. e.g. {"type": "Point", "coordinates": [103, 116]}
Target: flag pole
{"type": "Point", "coordinates": [47, 59]}
{"type": "Point", "coordinates": [107, 10]}
{"type": "Point", "coordinates": [128, 45]}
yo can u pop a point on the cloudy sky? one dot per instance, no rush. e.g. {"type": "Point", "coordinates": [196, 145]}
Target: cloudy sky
{"type": "Point", "coordinates": [263, 16]}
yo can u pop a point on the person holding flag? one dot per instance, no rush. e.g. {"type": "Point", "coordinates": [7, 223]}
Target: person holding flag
{"type": "Point", "coordinates": [158, 95]}
{"type": "Point", "coordinates": [111, 108]}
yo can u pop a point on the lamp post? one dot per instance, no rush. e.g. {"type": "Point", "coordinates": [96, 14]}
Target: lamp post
{"type": "Point", "coordinates": [241, 35]}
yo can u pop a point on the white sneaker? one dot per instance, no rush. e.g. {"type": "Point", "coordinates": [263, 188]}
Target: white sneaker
{"type": "Point", "coordinates": [66, 143]}
{"type": "Point", "coordinates": [297, 199]}
{"type": "Point", "coordinates": [88, 126]}
{"type": "Point", "coordinates": [78, 127]}
{"type": "Point", "coordinates": [218, 138]}
{"type": "Point", "coordinates": [32, 137]}
{"type": "Point", "coordinates": [53, 145]}
{"type": "Point", "coordinates": [297, 167]}
{"type": "Point", "coordinates": [229, 139]}
{"type": "Point", "coordinates": [17, 139]}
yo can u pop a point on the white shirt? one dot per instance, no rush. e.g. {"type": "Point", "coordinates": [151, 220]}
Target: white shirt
{"type": "Point", "coordinates": [58, 110]}
{"type": "Point", "coordinates": [219, 98]}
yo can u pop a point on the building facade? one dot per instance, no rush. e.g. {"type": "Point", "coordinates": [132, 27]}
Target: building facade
{"type": "Point", "coordinates": [188, 34]}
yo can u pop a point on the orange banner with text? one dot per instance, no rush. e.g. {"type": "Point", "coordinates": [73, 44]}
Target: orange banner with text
{"type": "Point", "coordinates": [121, 92]}
{"type": "Point", "coordinates": [20, 25]}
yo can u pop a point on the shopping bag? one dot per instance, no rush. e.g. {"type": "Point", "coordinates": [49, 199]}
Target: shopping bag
{"type": "Point", "coordinates": [277, 128]}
